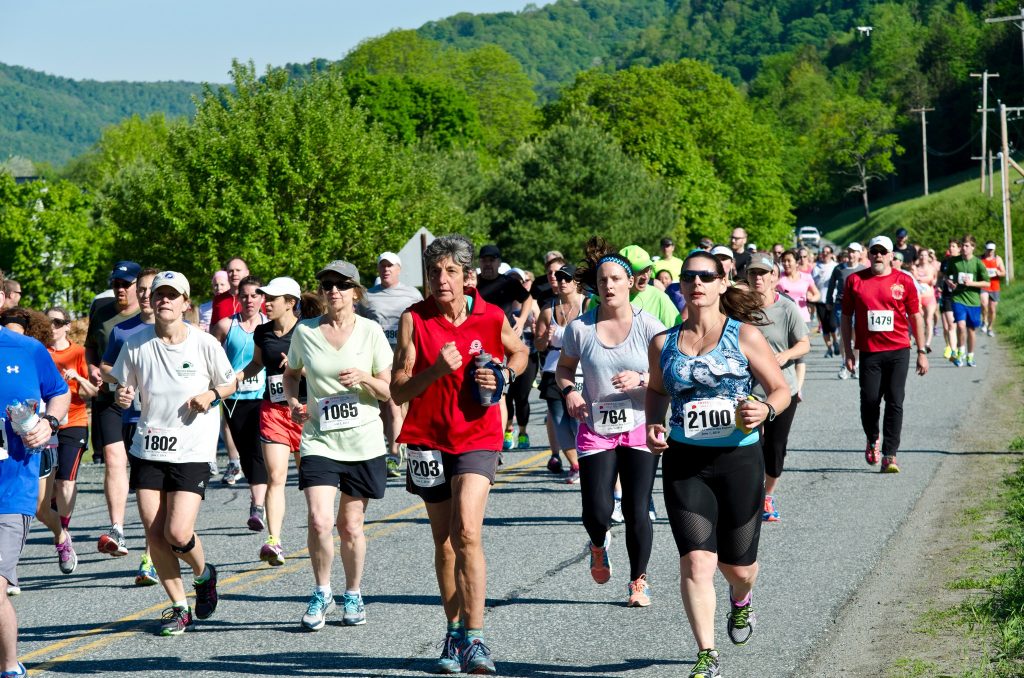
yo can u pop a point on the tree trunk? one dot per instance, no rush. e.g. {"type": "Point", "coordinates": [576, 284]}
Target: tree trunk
{"type": "Point", "coordinates": [864, 198]}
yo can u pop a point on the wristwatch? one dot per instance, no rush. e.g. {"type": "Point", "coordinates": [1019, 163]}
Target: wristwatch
{"type": "Point", "coordinates": [771, 411]}
{"type": "Point", "coordinates": [567, 390]}
{"type": "Point", "coordinates": [922, 351]}
{"type": "Point", "coordinates": [54, 423]}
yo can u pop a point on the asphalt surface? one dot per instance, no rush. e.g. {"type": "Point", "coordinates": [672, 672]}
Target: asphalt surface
{"type": "Point", "coordinates": [545, 616]}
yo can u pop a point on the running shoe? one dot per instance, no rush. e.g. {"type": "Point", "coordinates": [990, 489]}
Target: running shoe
{"type": "Point", "coordinates": [617, 517]}
{"type": "Point", "coordinates": [316, 613]}
{"type": "Point", "coordinates": [509, 441]}
{"type": "Point", "coordinates": [970, 360]}
{"type": "Point", "coordinates": [67, 559]}
{"type": "Point", "coordinates": [573, 476]}
{"type": "Point", "coordinates": [257, 518]}
{"type": "Point", "coordinates": [958, 361]}
{"type": "Point", "coordinates": [449, 662]}
{"type": "Point", "coordinates": [889, 464]}
{"type": "Point", "coordinates": [232, 473]}
{"type": "Point", "coordinates": [871, 452]}
{"type": "Point", "coordinates": [555, 464]}
{"type": "Point", "coordinates": [476, 658]}
{"type": "Point", "coordinates": [206, 594]}
{"type": "Point", "coordinates": [740, 622]}
{"type": "Point", "coordinates": [272, 552]}
{"type": "Point", "coordinates": [175, 621]}
{"type": "Point", "coordinates": [13, 590]}
{"type": "Point", "coordinates": [828, 352]}
{"type": "Point", "coordinates": [989, 332]}
{"type": "Point", "coordinates": [844, 373]}
{"type": "Point", "coordinates": [600, 563]}
{"type": "Point", "coordinates": [354, 612]}
{"type": "Point", "coordinates": [393, 462]}
{"type": "Point", "coordinates": [524, 441]}
{"type": "Point", "coordinates": [112, 543]}
{"type": "Point", "coordinates": [770, 514]}
{"type": "Point", "coordinates": [639, 592]}
{"type": "Point", "coordinates": [146, 575]}
{"type": "Point", "coordinates": [652, 512]}
{"type": "Point", "coordinates": [17, 673]}
{"type": "Point", "coordinates": [947, 353]}
{"type": "Point", "coordinates": [707, 665]}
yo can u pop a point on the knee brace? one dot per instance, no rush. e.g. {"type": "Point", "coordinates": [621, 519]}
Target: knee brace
{"type": "Point", "coordinates": [182, 550]}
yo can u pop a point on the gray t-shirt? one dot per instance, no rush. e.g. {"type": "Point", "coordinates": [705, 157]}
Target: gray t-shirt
{"type": "Point", "coordinates": [385, 305]}
{"type": "Point", "coordinates": [601, 363]}
{"type": "Point", "coordinates": [786, 328]}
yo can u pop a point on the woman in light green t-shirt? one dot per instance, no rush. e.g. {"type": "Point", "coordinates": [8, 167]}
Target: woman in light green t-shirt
{"type": "Point", "coordinates": [347, 364]}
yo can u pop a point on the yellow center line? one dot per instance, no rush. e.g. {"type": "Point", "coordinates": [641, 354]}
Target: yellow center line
{"type": "Point", "coordinates": [373, 530]}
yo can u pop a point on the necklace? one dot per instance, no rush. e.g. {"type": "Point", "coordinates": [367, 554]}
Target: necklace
{"type": "Point", "coordinates": [565, 313]}
{"type": "Point", "coordinates": [699, 344]}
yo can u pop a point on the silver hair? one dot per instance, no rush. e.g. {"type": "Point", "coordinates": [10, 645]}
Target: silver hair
{"type": "Point", "coordinates": [458, 248]}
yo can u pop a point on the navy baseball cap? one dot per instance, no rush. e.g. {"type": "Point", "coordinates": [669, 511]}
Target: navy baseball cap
{"type": "Point", "coordinates": [125, 270]}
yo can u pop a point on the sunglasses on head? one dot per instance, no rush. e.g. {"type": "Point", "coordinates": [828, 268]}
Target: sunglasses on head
{"type": "Point", "coordinates": [691, 276]}
{"type": "Point", "coordinates": [58, 323]}
{"type": "Point", "coordinates": [340, 285]}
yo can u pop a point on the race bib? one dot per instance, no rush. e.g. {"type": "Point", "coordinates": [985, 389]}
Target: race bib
{"type": "Point", "coordinates": [993, 272]}
{"type": "Point", "coordinates": [392, 333]}
{"type": "Point", "coordinates": [275, 388]}
{"type": "Point", "coordinates": [253, 383]}
{"type": "Point", "coordinates": [160, 443]}
{"type": "Point", "coordinates": [964, 278]}
{"type": "Point", "coordinates": [709, 419]}
{"type": "Point", "coordinates": [339, 412]}
{"type": "Point", "coordinates": [881, 321]}
{"type": "Point", "coordinates": [613, 417]}
{"type": "Point", "coordinates": [425, 467]}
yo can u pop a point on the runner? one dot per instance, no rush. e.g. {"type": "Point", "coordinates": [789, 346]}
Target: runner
{"type": "Point", "coordinates": [947, 283]}
{"type": "Point", "coordinates": [454, 440]}
{"type": "Point", "coordinates": [12, 292]}
{"type": "Point", "coordinates": [226, 303]}
{"type": "Point", "coordinates": [347, 363]}
{"type": "Point", "coordinates": [219, 285]}
{"type": "Point", "coordinates": [105, 315]}
{"type": "Point", "coordinates": [924, 273]}
{"type": "Point", "coordinates": [645, 296]}
{"type": "Point", "coordinates": [786, 333]}
{"type": "Point", "coordinates": [279, 435]}
{"type": "Point", "coordinates": [883, 307]}
{"type": "Point", "coordinates": [146, 574]}
{"type": "Point", "coordinates": [990, 295]}
{"type": "Point", "coordinates": [72, 439]}
{"type": "Point", "coordinates": [566, 307]}
{"type": "Point", "coordinates": [738, 245]}
{"type": "Point", "coordinates": [181, 372]}
{"type": "Point", "coordinates": [799, 287]}
{"type": "Point", "coordinates": [384, 304]}
{"type": "Point", "coordinates": [668, 261]}
{"type": "Point", "coordinates": [971, 276]}
{"type": "Point", "coordinates": [713, 471]}
{"type": "Point", "coordinates": [903, 247]}
{"type": "Point", "coordinates": [30, 375]}
{"type": "Point", "coordinates": [610, 341]}
{"type": "Point", "coordinates": [243, 408]}
{"type": "Point", "coordinates": [517, 402]}
{"type": "Point", "coordinates": [725, 255]}
{"type": "Point", "coordinates": [822, 273]}
{"type": "Point", "coordinates": [836, 286]}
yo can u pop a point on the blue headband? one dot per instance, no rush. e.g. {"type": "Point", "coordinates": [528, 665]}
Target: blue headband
{"type": "Point", "coordinates": [616, 259]}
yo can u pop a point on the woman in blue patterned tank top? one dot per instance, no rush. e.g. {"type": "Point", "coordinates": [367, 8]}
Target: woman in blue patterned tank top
{"type": "Point", "coordinates": [713, 468]}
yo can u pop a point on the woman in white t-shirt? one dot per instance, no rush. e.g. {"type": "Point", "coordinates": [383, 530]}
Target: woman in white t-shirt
{"type": "Point", "coordinates": [180, 372]}
{"type": "Point", "coordinates": [347, 362]}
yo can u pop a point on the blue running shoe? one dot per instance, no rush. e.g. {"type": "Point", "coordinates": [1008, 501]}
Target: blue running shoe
{"type": "Point", "coordinates": [509, 441]}
{"type": "Point", "coordinates": [354, 613]}
{"type": "Point", "coordinates": [21, 671]}
{"type": "Point", "coordinates": [320, 606]}
{"type": "Point", "coordinates": [448, 662]}
{"type": "Point", "coordinates": [476, 658]}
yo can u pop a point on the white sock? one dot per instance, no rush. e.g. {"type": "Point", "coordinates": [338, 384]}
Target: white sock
{"type": "Point", "coordinates": [180, 603]}
{"type": "Point", "coordinates": [118, 527]}
{"type": "Point", "coordinates": [326, 590]}
{"type": "Point", "coordinates": [352, 592]}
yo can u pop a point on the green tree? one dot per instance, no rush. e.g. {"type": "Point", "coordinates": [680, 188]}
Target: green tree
{"type": "Point", "coordinates": [694, 129]}
{"type": "Point", "coordinates": [286, 175]}
{"type": "Point", "coordinates": [134, 139]}
{"type": "Point", "coordinates": [569, 183]}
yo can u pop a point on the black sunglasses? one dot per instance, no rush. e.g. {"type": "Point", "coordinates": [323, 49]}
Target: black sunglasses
{"type": "Point", "coordinates": [563, 277]}
{"type": "Point", "coordinates": [691, 276]}
{"type": "Point", "coordinates": [341, 286]}
{"type": "Point", "coordinates": [57, 322]}
{"type": "Point", "coordinates": [121, 284]}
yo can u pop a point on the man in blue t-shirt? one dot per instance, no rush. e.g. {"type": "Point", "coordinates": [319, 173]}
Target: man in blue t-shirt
{"type": "Point", "coordinates": [26, 373]}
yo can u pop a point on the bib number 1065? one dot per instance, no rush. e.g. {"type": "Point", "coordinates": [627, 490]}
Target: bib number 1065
{"type": "Point", "coordinates": [339, 412]}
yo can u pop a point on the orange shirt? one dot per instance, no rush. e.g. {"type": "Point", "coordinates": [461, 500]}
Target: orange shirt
{"type": "Point", "coordinates": [73, 357]}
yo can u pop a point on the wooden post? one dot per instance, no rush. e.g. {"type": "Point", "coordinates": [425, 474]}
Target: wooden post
{"type": "Point", "coordinates": [924, 148]}
{"type": "Point", "coordinates": [984, 119]}
{"type": "Point", "coordinates": [1005, 166]}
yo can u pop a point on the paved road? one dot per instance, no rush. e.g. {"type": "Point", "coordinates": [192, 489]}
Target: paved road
{"type": "Point", "coordinates": [546, 617]}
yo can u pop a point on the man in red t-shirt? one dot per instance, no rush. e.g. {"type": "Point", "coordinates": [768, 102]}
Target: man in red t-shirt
{"type": "Point", "coordinates": [225, 304]}
{"type": "Point", "coordinates": [886, 306]}
{"type": "Point", "coordinates": [453, 439]}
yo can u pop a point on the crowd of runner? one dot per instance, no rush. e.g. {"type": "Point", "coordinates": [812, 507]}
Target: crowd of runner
{"type": "Point", "coordinates": [698, 362]}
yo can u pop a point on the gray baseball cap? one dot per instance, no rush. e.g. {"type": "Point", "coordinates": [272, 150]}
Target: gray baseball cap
{"type": "Point", "coordinates": [342, 268]}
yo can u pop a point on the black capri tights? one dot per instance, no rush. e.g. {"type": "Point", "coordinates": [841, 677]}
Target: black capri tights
{"type": "Point", "coordinates": [244, 422]}
{"type": "Point", "coordinates": [714, 497]}
{"type": "Point", "coordinates": [518, 399]}
{"type": "Point", "coordinates": [776, 439]}
{"type": "Point", "coordinates": [637, 469]}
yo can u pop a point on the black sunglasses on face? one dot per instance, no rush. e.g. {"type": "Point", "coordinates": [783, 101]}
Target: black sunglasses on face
{"type": "Point", "coordinates": [562, 277]}
{"type": "Point", "coordinates": [121, 284]}
{"type": "Point", "coordinates": [341, 286]}
{"type": "Point", "coordinates": [58, 323]}
{"type": "Point", "coordinates": [691, 276]}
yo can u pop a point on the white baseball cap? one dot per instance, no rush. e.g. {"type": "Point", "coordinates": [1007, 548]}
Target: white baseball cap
{"type": "Point", "coordinates": [723, 250]}
{"type": "Point", "coordinates": [390, 257]}
{"type": "Point", "coordinates": [881, 240]}
{"type": "Point", "coordinates": [990, 246]}
{"type": "Point", "coordinates": [280, 287]}
{"type": "Point", "coordinates": [172, 279]}
{"type": "Point", "coordinates": [855, 246]}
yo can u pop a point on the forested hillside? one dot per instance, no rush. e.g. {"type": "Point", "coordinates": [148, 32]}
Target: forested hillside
{"type": "Point", "coordinates": [52, 119]}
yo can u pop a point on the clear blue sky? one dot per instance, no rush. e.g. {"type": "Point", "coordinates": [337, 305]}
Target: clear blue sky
{"type": "Point", "coordinates": [196, 40]}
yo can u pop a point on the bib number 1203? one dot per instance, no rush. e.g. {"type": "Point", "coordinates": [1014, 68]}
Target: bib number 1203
{"type": "Point", "coordinates": [426, 467]}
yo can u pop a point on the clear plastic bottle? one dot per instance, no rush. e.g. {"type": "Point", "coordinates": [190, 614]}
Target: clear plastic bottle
{"type": "Point", "coordinates": [24, 417]}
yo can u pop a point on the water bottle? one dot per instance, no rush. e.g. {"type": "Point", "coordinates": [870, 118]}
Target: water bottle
{"type": "Point", "coordinates": [24, 417]}
{"type": "Point", "coordinates": [486, 394]}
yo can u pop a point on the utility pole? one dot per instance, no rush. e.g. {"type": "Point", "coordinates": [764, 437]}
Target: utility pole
{"type": "Point", "coordinates": [1005, 166]}
{"type": "Point", "coordinates": [991, 187]}
{"type": "Point", "coordinates": [1018, 21]}
{"type": "Point", "coordinates": [924, 144]}
{"type": "Point", "coordinates": [984, 119]}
